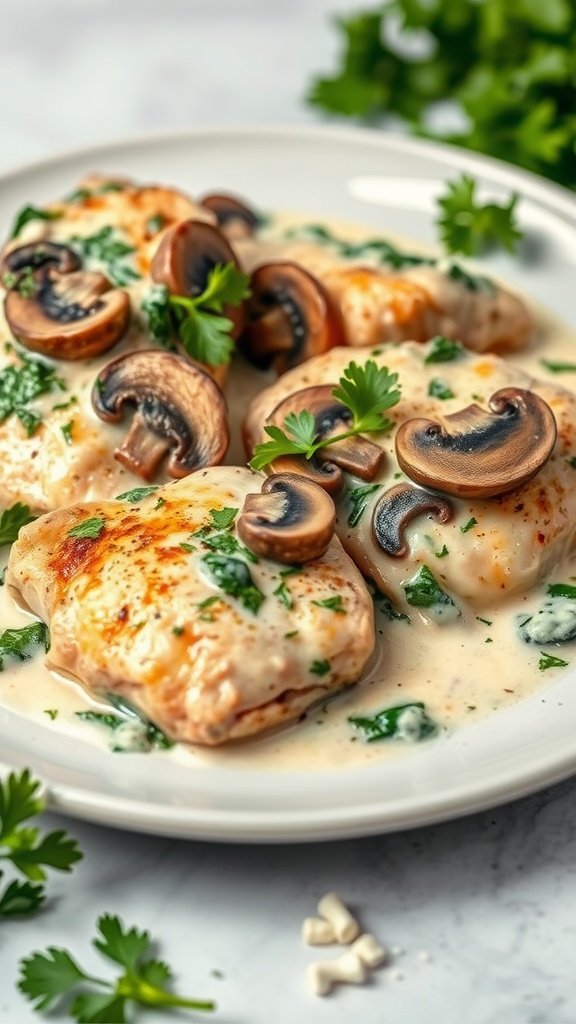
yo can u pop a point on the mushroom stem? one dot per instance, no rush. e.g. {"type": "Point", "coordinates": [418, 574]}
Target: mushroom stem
{"type": "Point", "coordinates": [290, 521]}
{"type": "Point", "coordinates": [142, 450]}
{"type": "Point", "coordinates": [399, 506]}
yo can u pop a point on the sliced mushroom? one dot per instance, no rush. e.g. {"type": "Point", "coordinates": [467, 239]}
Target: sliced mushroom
{"type": "Point", "coordinates": [178, 407]}
{"type": "Point", "coordinates": [68, 316]}
{"type": "Point", "coordinates": [355, 455]}
{"type": "Point", "coordinates": [291, 317]}
{"type": "Point", "coordinates": [35, 255]}
{"type": "Point", "coordinates": [290, 521]}
{"type": "Point", "coordinates": [478, 454]}
{"type": "Point", "coordinates": [187, 254]}
{"type": "Point", "coordinates": [235, 219]}
{"type": "Point", "coordinates": [397, 507]}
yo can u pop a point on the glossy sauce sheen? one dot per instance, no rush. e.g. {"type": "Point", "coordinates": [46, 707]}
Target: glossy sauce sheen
{"type": "Point", "coordinates": [461, 670]}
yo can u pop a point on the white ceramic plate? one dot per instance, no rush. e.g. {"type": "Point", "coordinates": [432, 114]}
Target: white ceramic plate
{"type": "Point", "coordinates": [390, 184]}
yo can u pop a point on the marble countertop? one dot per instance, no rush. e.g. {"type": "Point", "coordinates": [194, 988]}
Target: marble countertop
{"type": "Point", "coordinates": [478, 914]}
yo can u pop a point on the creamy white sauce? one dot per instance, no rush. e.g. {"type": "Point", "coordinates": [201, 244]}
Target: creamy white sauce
{"type": "Point", "coordinates": [462, 670]}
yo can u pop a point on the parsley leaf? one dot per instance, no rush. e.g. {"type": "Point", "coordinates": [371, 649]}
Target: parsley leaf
{"type": "Point", "coordinates": [366, 392]}
{"type": "Point", "coordinates": [233, 577]}
{"type": "Point", "coordinates": [320, 668]}
{"type": "Point", "coordinates": [15, 643]}
{"type": "Point", "coordinates": [467, 226]}
{"type": "Point", "coordinates": [47, 977]}
{"type": "Point", "coordinates": [333, 603]}
{"type": "Point", "coordinates": [550, 661]}
{"type": "Point", "coordinates": [358, 499]}
{"type": "Point", "coordinates": [197, 321]}
{"type": "Point", "coordinates": [29, 852]}
{"type": "Point", "coordinates": [424, 591]}
{"type": "Point", "coordinates": [507, 69]}
{"type": "Point", "coordinates": [91, 528]}
{"type": "Point", "coordinates": [29, 213]}
{"type": "Point", "coordinates": [12, 520]}
{"type": "Point", "coordinates": [443, 350]}
{"type": "Point", "coordinates": [137, 493]}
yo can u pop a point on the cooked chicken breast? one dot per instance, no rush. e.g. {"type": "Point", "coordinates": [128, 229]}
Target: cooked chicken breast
{"type": "Point", "coordinates": [136, 608]}
{"type": "Point", "coordinates": [490, 547]}
{"type": "Point", "coordinates": [379, 304]}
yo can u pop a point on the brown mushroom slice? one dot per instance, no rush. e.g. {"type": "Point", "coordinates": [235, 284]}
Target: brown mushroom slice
{"type": "Point", "coordinates": [479, 454]}
{"type": "Point", "coordinates": [291, 520]}
{"type": "Point", "coordinates": [234, 218]}
{"type": "Point", "coordinates": [326, 475]}
{"type": "Point", "coordinates": [34, 256]}
{"type": "Point", "coordinates": [291, 317]}
{"type": "Point", "coordinates": [187, 254]}
{"type": "Point", "coordinates": [397, 507]}
{"type": "Point", "coordinates": [68, 316]}
{"type": "Point", "coordinates": [356, 455]}
{"type": "Point", "coordinates": [178, 407]}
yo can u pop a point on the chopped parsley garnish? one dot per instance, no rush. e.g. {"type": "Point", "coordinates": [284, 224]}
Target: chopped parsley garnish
{"type": "Point", "coordinates": [30, 213]}
{"type": "Point", "coordinates": [358, 499]}
{"type": "Point", "coordinates": [334, 604]}
{"type": "Point", "coordinates": [549, 661]}
{"type": "Point", "coordinates": [405, 721]}
{"type": "Point", "coordinates": [51, 976]}
{"type": "Point", "coordinates": [424, 591]}
{"type": "Point", "coordinates": [155, 224]}
{"type": "Point", "coordinates": [471, 227]}
{"type": "Point", "coordinates": [137, 494]}
{"type": "Point", "coordinates": [320, 668]}
{"type": "Point", "coordinates": [468, 526]}
{"type": "Point", "coordinates": [284, 595]}
{"type": "Point", "coordinates": [366, 391]}
{"type": "Point", "coordinates": [562, 590]}
{"type": "Point", "coordinates": [148, 735]}
{"type": "Point", "coordinates": [52, 713]}
{"type": "Point", "coordinates": [29, 852]}
{"type": "Point", "coordinates": [198, 322]}
{"type": "Point", "coordinates": [90, 528]}
{"type": "Point", "coordinates": [554, 367]}
{"type": "Point", "coordinates": [438, 388]}
{"type": "Point", "coordinates": [222, 518]}
{"type": "Point", "coordinates": [443, 350]}
{"type": "Point", "coordinates": [12, 520]}
{"type": "Point", "coordinates": [16, 643]}
{"type": "Point", "coordinates": [487, 622]}
{"type": "Point", "coordinates": [20, 385]}
{"type": "Point", "coordinates": [105, 247]}
{"type": "Point", "coordinates": [66, 431]}
{"type": "Point", "coordinates": [377, 248]}
{"type": "Point", "coordinates": [233, 577]}
{"type": "Point", "coordinates": [473, 282]}
{"type": "Point", "coordinates": [442, 553]}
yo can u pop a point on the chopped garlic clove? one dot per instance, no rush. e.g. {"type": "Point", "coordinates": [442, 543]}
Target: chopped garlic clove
{"type": "Point", "coordinates": [318, 932]}
{"type": "Point", "coordinates": [369, 950]}
{"type": "Point", "coordinates": [345, 926]}
{"type": "Point", "coordinates": [347, 969]}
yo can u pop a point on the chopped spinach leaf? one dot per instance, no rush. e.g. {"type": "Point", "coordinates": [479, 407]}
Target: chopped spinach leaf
{"type": "Point", "coordinates": [105, 247]}
{"type": "Point", "coordinates": [358, 499]}
{"type": "Point", "coordinates": [233, 577]}
{"type": "Point", "coordinates": [15, 643]}
{"type": "Point", "coordinates": [549, 661]}
{"type": "Point", "coordinates": [424, 591]}
{"type": "Point", "coordinates": [20, 385]}
{"type": "Point", "coordinates": [30, 213]}
{"type": "Point", "coordinates": [443, 350]}
{"type": "Point", "coordinates": [562, 590]}
{"type": "Point", "coordinates": [439, 389]}
{"type": "Point", "coordinates": [222, 518]}
{"type": "Point", "coordinates": [405, 721]}
{"type": "Point", "coordinates": [334, 604]}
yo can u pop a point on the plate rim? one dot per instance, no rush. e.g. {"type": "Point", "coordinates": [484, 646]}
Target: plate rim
{"type": "Point", "coordinates": [304, 825]}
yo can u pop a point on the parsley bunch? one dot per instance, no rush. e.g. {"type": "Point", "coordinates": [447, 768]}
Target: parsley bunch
{"type": "Point", "coordinates": [29, 852]}
{"type": "Point", "coordinates": [198, 322]}
{"type": "Point", "coordinates": [366, 392]}
{"type": "Point", "coordinates": [49, 976]}
{"type": "Point", "coordinates": [508, 67]}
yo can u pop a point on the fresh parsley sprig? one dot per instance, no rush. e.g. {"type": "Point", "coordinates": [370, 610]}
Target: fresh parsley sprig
{"type": "Point", "coordinates": [12, 520]}
{"type": "Point", "coordinates": [197, 321]}
{"type": "Point", "coordinates": [471, 227]}
{"type": "Point", "coordinates": [367, 392]}
{"type": "Point", "coordinates": [25, 848]}
{"type": "Point", "coordinates": [49, 976]}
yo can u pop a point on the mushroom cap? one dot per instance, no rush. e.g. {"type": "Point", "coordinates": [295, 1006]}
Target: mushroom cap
{"type": "Point", "coordinates": [187, 253]}
{"type": "Point", "coordinates": [356, 455]}
{"type": "Point", "coordinates": [397, 507]}
{"type": "Point", "coordinates": [68, 316]}
{"type": "Point", "coordinates": [291, 317]}
{"type": "Point", "coordinates": [291, 520]}
{"type": "Point", "coordinates": [479, 454]}
{"type": "Point", "coordinates": [178, 406]}
{"type": "Point", "coordinates": [234, 218]}
{"type": "Point", "coordinates": [38, 254]}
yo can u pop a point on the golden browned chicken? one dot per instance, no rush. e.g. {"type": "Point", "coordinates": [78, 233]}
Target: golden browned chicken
{"type": "Point", "coordinates": [434, 502]}
{"type": "Point", "coordinates": [159, 601]}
